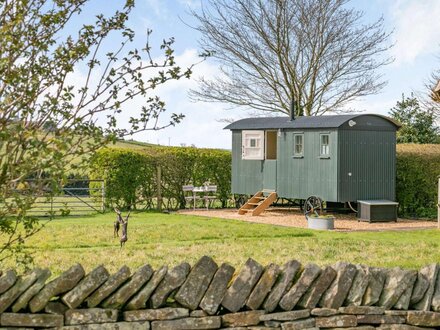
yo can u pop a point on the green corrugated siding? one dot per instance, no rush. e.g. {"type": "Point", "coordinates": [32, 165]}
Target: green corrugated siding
{"type": "Point", "coordinates": [370, 157]}
{"type": "Point", "coordinates": [247, 175]}
{"type": "Point", "coordinates": [300, 178]}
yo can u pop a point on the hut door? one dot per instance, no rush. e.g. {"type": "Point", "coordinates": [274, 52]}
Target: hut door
{"type": "Point", "coordinates": [270, 161]}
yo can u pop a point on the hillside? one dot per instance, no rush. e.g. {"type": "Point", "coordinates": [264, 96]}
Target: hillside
{"type": "Point", "coordinates": [132, 144]}
{"type": "Point", "coordinates": [137, 145]}
{"type": "Point", "coordinates": [420, 149]}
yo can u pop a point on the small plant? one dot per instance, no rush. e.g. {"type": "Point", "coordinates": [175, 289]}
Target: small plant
{"type": "Point", "coordinates": [320, 222]}
{"type": "Point", "coordinates": [328, 217]}
{"type": "Point", "coordinates": [65, 211]}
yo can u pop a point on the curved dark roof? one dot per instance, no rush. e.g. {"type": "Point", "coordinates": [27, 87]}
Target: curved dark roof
{"type": "Point", "coordinates": [333, 121]}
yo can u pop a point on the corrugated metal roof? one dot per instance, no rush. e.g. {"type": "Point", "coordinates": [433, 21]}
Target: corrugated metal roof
{"type": "Point", "coordinates": [299, 122]}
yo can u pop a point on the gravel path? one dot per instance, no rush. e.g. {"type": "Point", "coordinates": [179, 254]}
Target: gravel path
{"type": "Point", "coordinates": [294, 218]}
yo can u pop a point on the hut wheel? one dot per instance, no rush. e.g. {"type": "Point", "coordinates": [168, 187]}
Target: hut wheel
{"type": "Point", "coordinates": [313, 204]}
{"type": "Point", "coordinates": [240, 201]}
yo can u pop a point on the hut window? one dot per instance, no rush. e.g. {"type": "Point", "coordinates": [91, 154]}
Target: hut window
{"type": "Point", "coordinates": [325, 145]}
{"type": "Point", "coordinates": [298, 145]}
{"type": "Point", "coordinates": [252, 145]}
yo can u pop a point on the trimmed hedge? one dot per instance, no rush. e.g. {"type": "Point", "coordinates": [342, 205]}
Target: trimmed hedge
{"type": "Point", "coordinates": [131, 175]}
{"type": "Point", "coordinates": [127, 175]}
{"type": "Point", "coordinates": [418, 170]}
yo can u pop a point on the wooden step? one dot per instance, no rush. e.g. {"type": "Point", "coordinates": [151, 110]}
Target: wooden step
{"type": "Point", "coordinates": [265, 204]}
{"type": "Point", "coordinates": [244, 211]}
{"type": "Point", "coordinates": [258, 203]}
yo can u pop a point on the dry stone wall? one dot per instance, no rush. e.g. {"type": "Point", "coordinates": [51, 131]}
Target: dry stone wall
{"type": "Point", "coordinates": [211, 296]}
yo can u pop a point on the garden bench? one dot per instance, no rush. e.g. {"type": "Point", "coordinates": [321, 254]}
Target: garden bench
{"type": "Point", "coordinates": [190, 194]}
{"type": "Point", "coordinates": [210, 198]}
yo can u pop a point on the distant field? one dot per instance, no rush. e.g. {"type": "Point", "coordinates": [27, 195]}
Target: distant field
{"type": "Point", "coordinates": [169, 239]}
{"type": "Point", "coordinates": [133, 145]}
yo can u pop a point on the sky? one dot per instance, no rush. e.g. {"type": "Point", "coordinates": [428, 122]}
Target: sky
{"type": "Point", "coordinates": [416, 37]}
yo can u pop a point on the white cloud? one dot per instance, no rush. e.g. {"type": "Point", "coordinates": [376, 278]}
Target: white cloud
{"type": "Point", "coordinates": [417, 29]}
{"type": "Point", "coordinates": [372, 104]}
{"type": "Point", "coordinates": [201, 125]}
{"type": "Point", "coordinates": [158, 7]}
{"type": "Point", "coordinates": [190, 3]}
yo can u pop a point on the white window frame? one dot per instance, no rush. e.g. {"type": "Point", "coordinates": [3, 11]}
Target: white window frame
{"type": "Point", "coordinates": [295, 154]}
{"type": "Point", "coordinates": [326, 153]}
{"type": "Point", "coordinates": [249, 152]}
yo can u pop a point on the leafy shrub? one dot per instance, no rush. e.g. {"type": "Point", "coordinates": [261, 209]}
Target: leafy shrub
{"type": "Point", "coordinates": [127, 175]}
{"type": "Point", "coordinates": [179, 166]}
{"type": "Point", "coordinates": [131, 175]}
{"type": "Point", "coordinates": [418, 170]}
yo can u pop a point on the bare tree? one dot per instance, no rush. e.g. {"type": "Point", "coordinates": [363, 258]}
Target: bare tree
{"type": "Point", "coordinates": [430, 96]}
{"type": "Point", "coordinates": [434, 88]}
{"type": "Point", "coordinates": [317, 53]}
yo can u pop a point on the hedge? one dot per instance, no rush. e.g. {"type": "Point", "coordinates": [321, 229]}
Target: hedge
{"type": "Point", "coordinates": [418, 170]}
{"type": "Point", "coordinates": [131, 175]}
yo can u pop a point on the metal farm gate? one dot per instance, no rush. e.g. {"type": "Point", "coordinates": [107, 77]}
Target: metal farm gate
{"type": "Point", "coordinates": [77, 197]}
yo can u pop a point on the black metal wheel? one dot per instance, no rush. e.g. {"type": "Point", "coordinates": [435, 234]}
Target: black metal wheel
{"type": "Point", "coordinates": [353, 208]}
{"type": "Point", "coordinates": [240, 201]}
{"type": "Point", "coordinates": [313, 204]}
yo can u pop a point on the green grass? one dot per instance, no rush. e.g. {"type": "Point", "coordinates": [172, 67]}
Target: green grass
{"type": "Point", "coordinates": [132, 144]}
{"type": "Point", "coordinates": [170, 239]}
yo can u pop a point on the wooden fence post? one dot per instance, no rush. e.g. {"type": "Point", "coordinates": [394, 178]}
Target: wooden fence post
{"type": "Point", "coordinates": [51, 205]}
{"type": "Point", "coordinates": [159, 188]}
{"type": "Point", "coordinates": [103, 195]}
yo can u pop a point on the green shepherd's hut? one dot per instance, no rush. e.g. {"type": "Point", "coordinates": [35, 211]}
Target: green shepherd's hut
{"type": "Point", "coordinates": [339, 158]}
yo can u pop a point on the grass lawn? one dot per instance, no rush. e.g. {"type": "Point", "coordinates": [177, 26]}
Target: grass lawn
{"type": "Point", "coordinates": [160, 239]}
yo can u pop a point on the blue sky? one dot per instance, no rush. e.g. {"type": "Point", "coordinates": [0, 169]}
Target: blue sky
{"type": "Point", "coordinates": [416, 37]}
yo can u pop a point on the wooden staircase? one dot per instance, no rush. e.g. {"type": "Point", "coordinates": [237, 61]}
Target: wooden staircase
{"type": "Point", "coordinates": [259, 202]}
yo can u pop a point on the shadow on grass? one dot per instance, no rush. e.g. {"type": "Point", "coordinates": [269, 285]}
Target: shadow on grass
{"type": "Point", "coordinates": [229, 237]}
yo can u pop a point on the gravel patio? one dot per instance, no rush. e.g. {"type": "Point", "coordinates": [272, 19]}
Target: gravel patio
{"type": "Point", "coordinates": [294, 218]}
